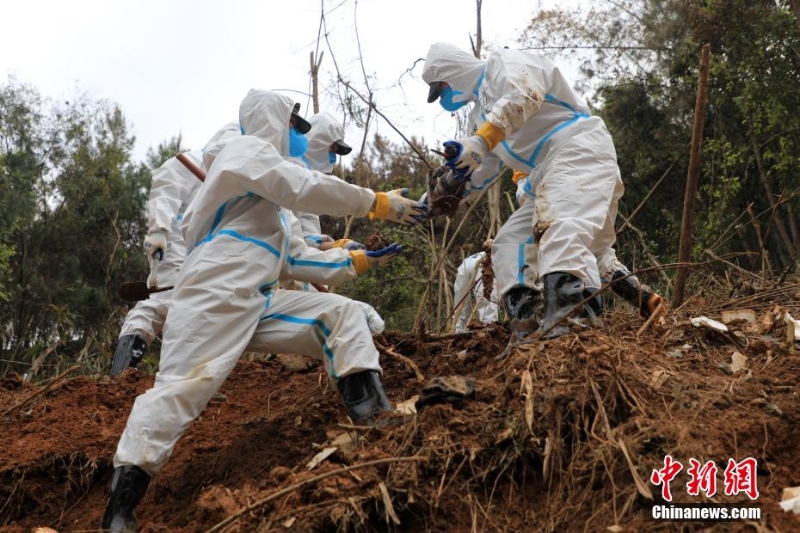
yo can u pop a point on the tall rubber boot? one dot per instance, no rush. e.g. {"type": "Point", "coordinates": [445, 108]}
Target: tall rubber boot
{"type": "Point", "coordinates": [127, 488]}
{"type": "Point", "coordinates": [523, 306]}
{"type": "Point", "coordinates": [364, 396]}
{"type": "Point", "coordinates": [640, 296]}
{"type": "Point", "coordinates": [130, 350]}
{"type": "Point", "coordinates": [562, 294]}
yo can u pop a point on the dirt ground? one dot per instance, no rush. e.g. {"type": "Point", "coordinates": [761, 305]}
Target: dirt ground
{"type": "Point", "coordinates": [561, 436]}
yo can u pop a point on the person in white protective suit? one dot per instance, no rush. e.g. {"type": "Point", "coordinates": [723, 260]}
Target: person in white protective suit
{"type": "Point", "coordinates": [240, 243]}
{"type": "Point", "coordinates": [556, 247]}
{"type": "Point", "coordinates": [325, 142]}
{"type": "Point", "coordinates": [468, 293]}
{"type": "Point", "coordinates": [172, 188]}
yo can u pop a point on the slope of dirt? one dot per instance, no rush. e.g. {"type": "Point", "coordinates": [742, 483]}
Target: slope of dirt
{"type": "Point", "coordinates": [562, 435]}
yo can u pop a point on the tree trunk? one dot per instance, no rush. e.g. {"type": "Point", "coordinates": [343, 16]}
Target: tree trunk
{"type": "Point", "coordinates": [779, 224]}
{"type": "Point", "coordinates": [685, 247]}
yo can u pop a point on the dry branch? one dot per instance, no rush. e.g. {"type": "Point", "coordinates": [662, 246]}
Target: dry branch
{"type": "Point", "coordinates": [411, 364]}
{"type": "Point", "coordinates": [685, 247]}
{"type": "Point", "coordinates": [310, 481]}
{"type": "Point", "coordinates": [41, 391]}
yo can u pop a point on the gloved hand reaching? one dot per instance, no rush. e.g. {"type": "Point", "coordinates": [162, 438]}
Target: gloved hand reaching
{"type": "Point", "coordinates": [469, 155]}
{"type": "Point", "coordinates": [318, 240]}
{"type": "Point", "coordinates": [394, 206]}
{"type": "Point", "coordinates": [366, 259]}
{"type": "Point", "coordinates": [348, 244]}
{"type": "Point", "coordinates": [155, 245]}
{"type": "Point", "coordinates": [469, 152]}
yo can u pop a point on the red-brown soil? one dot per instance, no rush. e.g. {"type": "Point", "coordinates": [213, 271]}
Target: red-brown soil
{"type": "Point", "coordinates": [553, 440]}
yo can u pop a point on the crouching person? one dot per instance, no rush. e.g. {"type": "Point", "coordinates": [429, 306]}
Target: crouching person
{"type": "Point", "coordinates": [240, 241]}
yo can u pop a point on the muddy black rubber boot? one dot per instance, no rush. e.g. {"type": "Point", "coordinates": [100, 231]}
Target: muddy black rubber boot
{"type": "Point", "coordinates": [364, 395]}
{"type": "Point", "coordinates": [130, 350]}
{"type": "Point", "coordinates": [127, 488]}
{"type": "Point", "coordinates": [640, 296]}
{"type": "Point", "coordinates": [523, 306]}
{"type": "Point", "coordinates": [562, 293]}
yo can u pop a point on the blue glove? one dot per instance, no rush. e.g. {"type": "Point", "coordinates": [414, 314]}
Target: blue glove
{"type": "Point", "coordinates": [378, 258]}
{"type": "Point", "coordinates": [363, 260]}
{"type": "Point", "coordinates": [155, 245]}
{"type": "Point", "coordinates": [469, 154]}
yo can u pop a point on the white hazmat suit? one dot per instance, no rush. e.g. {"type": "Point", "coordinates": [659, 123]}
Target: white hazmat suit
{"type": "Point", "coordinates": [468, 293]}
{"type": "Point", "coordinates": [241, 242]}
{"type": "Point", "coordinates": [543, 128]}
{"type": "Point", "coordinates": [173, 187]}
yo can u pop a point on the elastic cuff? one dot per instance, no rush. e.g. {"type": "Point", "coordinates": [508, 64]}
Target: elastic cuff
{"type": "Point", "coordinates": [381, 207]}
{"type": "Point", "coordinates": [518, 176]}
{"type": "Point", "coordinates": [360, 261]}
{"type": "Point", "coordinates": [491, 134]}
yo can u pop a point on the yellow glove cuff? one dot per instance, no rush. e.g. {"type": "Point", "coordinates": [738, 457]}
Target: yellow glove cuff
{"type": "Point", "coordinates": [516, 176]}
{"type": "Point", "coordinates": [341, 243]}
{"type": "Point", "coordinates": [360, 261]}
{"type": "Point", "coordinates": [491, 134]}
{"type": "Point", "coordinates": [381, 208]}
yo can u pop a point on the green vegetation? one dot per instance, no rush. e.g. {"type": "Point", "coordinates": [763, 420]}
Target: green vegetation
{"type": "Point", "coordinates": [72, 201]}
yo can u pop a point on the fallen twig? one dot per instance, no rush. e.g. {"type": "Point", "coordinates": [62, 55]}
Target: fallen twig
{"type": "Point", "coordinates": [657, 313]}
{"type": "Point", "coordinates": [300, 484]}
{"type": "Point", "coordinates": [411, 364]}
{"type": "Point", "coordinates": [41, 391]}
{"type": "Point", "coordinates": [457, 334]}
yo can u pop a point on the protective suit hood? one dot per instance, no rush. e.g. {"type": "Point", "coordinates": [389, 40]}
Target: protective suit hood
{"type": "Point", "coordinates": [265, 114]}
{"type": "Point", "coordinates": [325, 130]}
{"type": "Point", "coordinates": [218, 141]}
{"type": "Point", "coordinates": [458, 68]}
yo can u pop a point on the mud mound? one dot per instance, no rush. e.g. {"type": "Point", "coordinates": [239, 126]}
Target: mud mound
{"type": "Point", "coordinates": [562, 435]}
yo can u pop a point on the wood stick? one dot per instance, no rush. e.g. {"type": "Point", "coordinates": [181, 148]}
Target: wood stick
{"type": "Point", "coordinates": [411, 364]}
{"type": "Point", "coordinates": [194, 169]}
{"type": "Point", "coordinates": [458, 334]}
{"type": "Point", "coordinates": [685, 246]}
{"type": "Point", "coordinates": [291, 488]}
{"type": "Point", "coordinates": [657, 313]}
{"type": "Point", "coordinates": [41, 391]}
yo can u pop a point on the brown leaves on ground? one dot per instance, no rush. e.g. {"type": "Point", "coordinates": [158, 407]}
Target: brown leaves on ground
{"type": "Point", "coordinates": [561, 436]}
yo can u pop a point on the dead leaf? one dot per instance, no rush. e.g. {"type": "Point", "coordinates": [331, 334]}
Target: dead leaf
{"type": "Point", "coordinates": [289, 522]}
{"type": "Point", "coordinates": [387, 504]}
{"type": "Point", "coordinates": [659, 377]}
{"type": "Point", "coordinates": [407, 407]}
{"type": "Point", "coordinates": [641, 486]}
{"type": "Point", "coordinates": [526, 389]}
{"type": "Point", "coordinates": [738, 362]}
{"type": "Point", "coordinates": [789, 493]}
{"type": "Point", "coordinates": [503, 436]}
{"type": "Point", "coordinates": [346, 442]}
{"type": "Point", "coordinates": [321, 456]}
{"type": "Point", "coordinates": [738, 315]}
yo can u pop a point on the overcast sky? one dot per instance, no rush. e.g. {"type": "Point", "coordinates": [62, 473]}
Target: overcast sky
{"type": "Point", "coordinates": [180, 66]}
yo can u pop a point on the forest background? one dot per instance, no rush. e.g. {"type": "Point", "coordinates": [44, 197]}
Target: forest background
{"type": "Point", "coordinates": [72, 199]}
